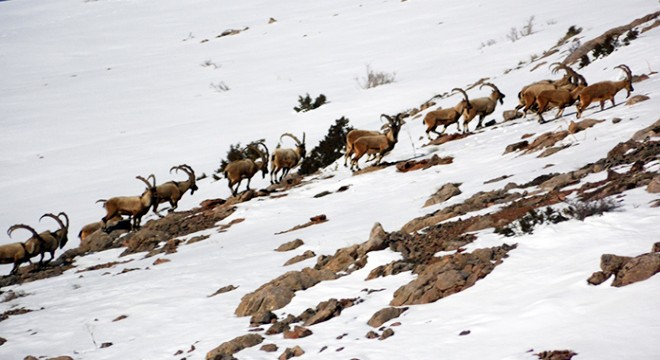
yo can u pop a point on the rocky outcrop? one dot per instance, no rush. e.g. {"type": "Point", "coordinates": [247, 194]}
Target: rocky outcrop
{"type": "Point", "coordinates": [226, 350]}
{"type": "Point", "coordinates": [446, 192]}
{"type": "Point", "coordinates": [449, 275]}
{"type": "Point", "coordinates": [626, 270]}
{"type": "Point", "coordinates": [556, 355]}
{"type": "Point", "coordinates": [279, 292]}
{"type": "Point", "coordinates": [384, 315]}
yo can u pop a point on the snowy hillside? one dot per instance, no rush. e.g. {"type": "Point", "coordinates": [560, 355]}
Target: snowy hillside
{"type": "Point", "coordinates": [97, 92]}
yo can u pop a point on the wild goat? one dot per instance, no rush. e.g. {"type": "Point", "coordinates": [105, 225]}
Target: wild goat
{"type": "Point", "coordinates": [172, 191]}
{"type": "Point", "coordinates": [605, 90]}
{"type": "Point", "coordinates": [115, 223]}
{"type": "Point", "coordinates": [380, 144]}
{"type": "Point", "coordinates": [17, 253]}
{"type": "Point", "coordinates": [286, 159]}
{"type": "Point", "coordinates": [238, 170]}
{"type": "Point", "coordinates": [133, 206]}
{"type": "Point", "coordinates": [561, 98]}
{"type": "Point", "coordinates": [49, 241]}
{"type": "Point", "coordinates": [446, 117]}
{"type": "Point", "coordinates": [483, 106]}
{"type": "Point", "coordinates": [353, 135]}
{"type": "Point", "coordinates": [527, 96]}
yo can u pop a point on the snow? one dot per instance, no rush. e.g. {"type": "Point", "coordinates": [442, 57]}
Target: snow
{"type": "Point", "coordinates": [94, 93]}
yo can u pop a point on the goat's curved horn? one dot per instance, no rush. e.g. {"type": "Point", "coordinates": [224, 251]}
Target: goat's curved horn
{"type": "Point", "coordinates": [66, 217]}
{"type": "Point", "coordinates": [291, 136]}
{"type": "Point", "coordinates": [145, 180]}
{"type": "Point", "coordinates": [465, 95]}
{"type": "Point", "coordinates": [265, 148]}
{"type": "Point", "coordinates": [625, 69]}
{"type": "Point", "coordinates": [490, 85]}
{"type": "Point", "coordinates": [59, 221]}
{"type": "Point", "coordinates": [23, 226]}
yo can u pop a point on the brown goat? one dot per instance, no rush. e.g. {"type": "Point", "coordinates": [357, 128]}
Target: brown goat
{"type": "Point", "coordinates": [238, 170]}
{"type": "Point", "coordinates": [172, 191]}
{"type": "Point", "coordinates": [17, 252]}
{"type": "Point", "coordinates": [50, 240]}
{"type": "Point", "coordinates": [134, 206]}
{"type": "Point", "coordinates": [527, 96]}
{"type": "Point", "coordinates": [446, 117]}
{"type": "Point", "coordinates": [286, 159]}
{"type": "Point", "coordinates": [560, 98]}
{"type": "Point", "coordinates": [483, 106]}
{"type": "Point", "coordinates": [605, 90]}
{"type": "Point", "coordinates": [380, 144]}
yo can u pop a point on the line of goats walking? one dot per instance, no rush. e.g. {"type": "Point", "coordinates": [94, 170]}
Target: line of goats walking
{"type": "Point", "coordinates": [571, 89]}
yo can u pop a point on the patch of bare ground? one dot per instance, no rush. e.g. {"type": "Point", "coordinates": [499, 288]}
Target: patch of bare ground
{"type": "Point", "coordinates": [588, 46]}
{"type": "Point", "coordinates": [424, 164]}
{"type": "Point", "coordinates": [556, 355]}
{"type": "Point", "coordinates": [314, 220]}
{"type": "Point", "coordinates": [5, 315]}
{"type": "Point", "coordinates": [547, 141]}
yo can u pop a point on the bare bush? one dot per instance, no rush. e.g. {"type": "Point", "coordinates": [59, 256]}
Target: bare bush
{"type": "Point", "coordinates": [527, 29]}
{"type": "Point", "coordinates": [582, 210]}
{"type": "Point", "coordinates": [219, 87]}
{"type": "Point", "coordinates": [375, 78]}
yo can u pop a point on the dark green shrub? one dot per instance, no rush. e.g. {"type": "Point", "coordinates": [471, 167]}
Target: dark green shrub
{"type": "Point", "coordinates": [306, 104]}
{"type": "Point", "coordinates": [328, 150]}
{"type": "Point", "coordinates": [238, 152]}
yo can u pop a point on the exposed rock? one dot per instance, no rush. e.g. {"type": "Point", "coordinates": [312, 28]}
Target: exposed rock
{"type": "Point", "coordinates": [302, 257]}
{"type": "Point", "coordinates": [637, 99]}
{"type": "Point", "coordinates": [393, 268]}
{"type": "Point", "coordinates": [2, 341]}
{"type": "Point", "coordinates": [210, 204]}
{"type": "Point", "coordinates": [297, 332]}
{"type": "Point", "coordinates": [553, 150]}
{"type": "Point", "coordinates": [509, 115]}
{"type": "Point", "coordinates": [291, 352]}
{"type": "Point", "coordinates": [500, 178]}
{"type": "Point", "coordinates": [327, 310]}
{"type": "Point", "coordinates": [574, 127]}
{"type": "Point", "coordinates": [228, 349]}
{"type": "Point", "coordinates": [424, 164]}
{"type": "Point", "coordinates": [371, 335]}
{"type": "Point", "coordinates": [638, 269]}
{"type": "Point", "coordinates": [446, 192]}
{"type": "Point", "coordinates": [648, 132]}
{"type": "Point", "coordinates": [223, 290]}
{"type": "Point", "coordinates": [559, 182]}
{"type": "Point", "coordinates": [106, 345]}
{"type": "Point", "coordinates": [269, 348]}
{"type": "Point", "coordinates": [160, 261]}
{"type": "Point", "coordinates": [120, 317]}
{"type": "Point", "coordinates": [656, 247]}
{"type": "Point", "coordinates": [280, 326]}
{"type": "Point", "coordinates": [318, 219]}
{"type": "Point", "coordinates": [449, 275]}
{"type": "Point", "coordinates": [654, 186]}
{"type": "Point", "coordinates": [521, 145]}
{"type": "Point", "coordinates": [386, 334]}
{"type": "Point", "coordinates": [279, 292]}
{"type": "Point", "coordinates": [291, 245]}
{"type": "Point", "coordinates": [464, 332]}
{"type": "Point", "coordinates": [143, 240]}
{"type": "Point", "coordinates": [444, 138]}
{"type": "Point", "coordinates": [588, 46]}
{"type": "Point", "coordinates": [266, 317]}
{"type": "Point", "coordinates": [384, 315]}
{"type": "Point", "coordinates": [556, 355]}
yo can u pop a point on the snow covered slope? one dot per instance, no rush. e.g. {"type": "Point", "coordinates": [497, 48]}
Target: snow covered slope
{"type": "Point", "coordinates": [94, 93]}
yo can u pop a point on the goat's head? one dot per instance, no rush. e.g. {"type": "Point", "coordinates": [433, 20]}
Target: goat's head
{"type": "Point", "coordinates": [628, 84]}
{"type": "Point", "coordinates": [496, 92]}
{"type": "Point", "coordinates": [300, 145]}
{"type": "Point", "coordinates": [150, 191]}
{"type": "Point", "coordinates": [191, 176]}
{"type": "Point", "coordinates": [62, 233]}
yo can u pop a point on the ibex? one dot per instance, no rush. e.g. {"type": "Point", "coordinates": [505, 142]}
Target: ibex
{"type": "Point", "coordinates": [17, 253]}
{"type": "Point", "coordinates": [172, 191]}
{"type": "Point", "coordinates": [483, 106]}
{"type": "Point", "coordinates": [446, 117]}
{"type": "Point", "coordinates": [286, 159]}
{"type": "Point", "coordinates": [380, 144]}
{"type": "Point", "coordinates": [527, 96]}
{"type": "Point", "coordinates": [561, 98]}
{"type": "Point", "coordinates": [116, 223]}
{"type": "Point", "coordinates": [238, 170]}
{"type": "Point", "coordinates": [49, 241]}
{"type": "Point", "coordinates": [133, 206]}
{"type": "Point", "coordinates": [605, 90]}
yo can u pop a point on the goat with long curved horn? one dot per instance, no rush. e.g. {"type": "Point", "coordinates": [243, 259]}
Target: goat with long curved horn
{"type": "Point", "coordinates": [446, 117]}
{"type": "Point", "coordinates": [483, 106]}
{"type": "Point", "coordinates": [286, 159]}
{"type": "Point", "coordinates": [238, 170]}
{"type": "Point", "coordinates": [605, 90]}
